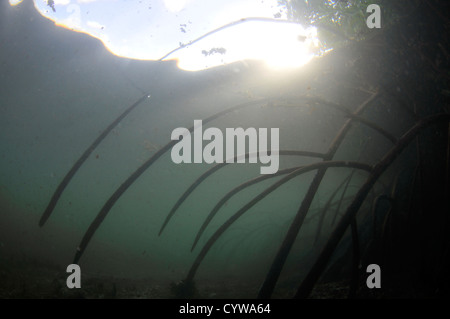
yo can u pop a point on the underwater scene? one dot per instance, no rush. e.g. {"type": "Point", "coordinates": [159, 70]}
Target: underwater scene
{"type": "Point", "coordinates": [224, 149]}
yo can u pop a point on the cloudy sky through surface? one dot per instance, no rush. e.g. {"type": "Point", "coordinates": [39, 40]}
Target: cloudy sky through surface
{"type": "Point", "coordinates": [150, 30]}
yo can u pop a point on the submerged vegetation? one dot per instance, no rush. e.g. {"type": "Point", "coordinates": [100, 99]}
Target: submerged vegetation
{"type": "Point", "coordinates": [391, 204]}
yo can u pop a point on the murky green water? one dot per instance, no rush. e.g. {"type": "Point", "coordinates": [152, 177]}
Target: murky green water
{"type": "Point", "coordinates": [59, 90]}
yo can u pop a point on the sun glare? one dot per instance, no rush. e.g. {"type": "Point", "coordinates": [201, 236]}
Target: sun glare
{"type": "Point", "coordinates": [279, 45]}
